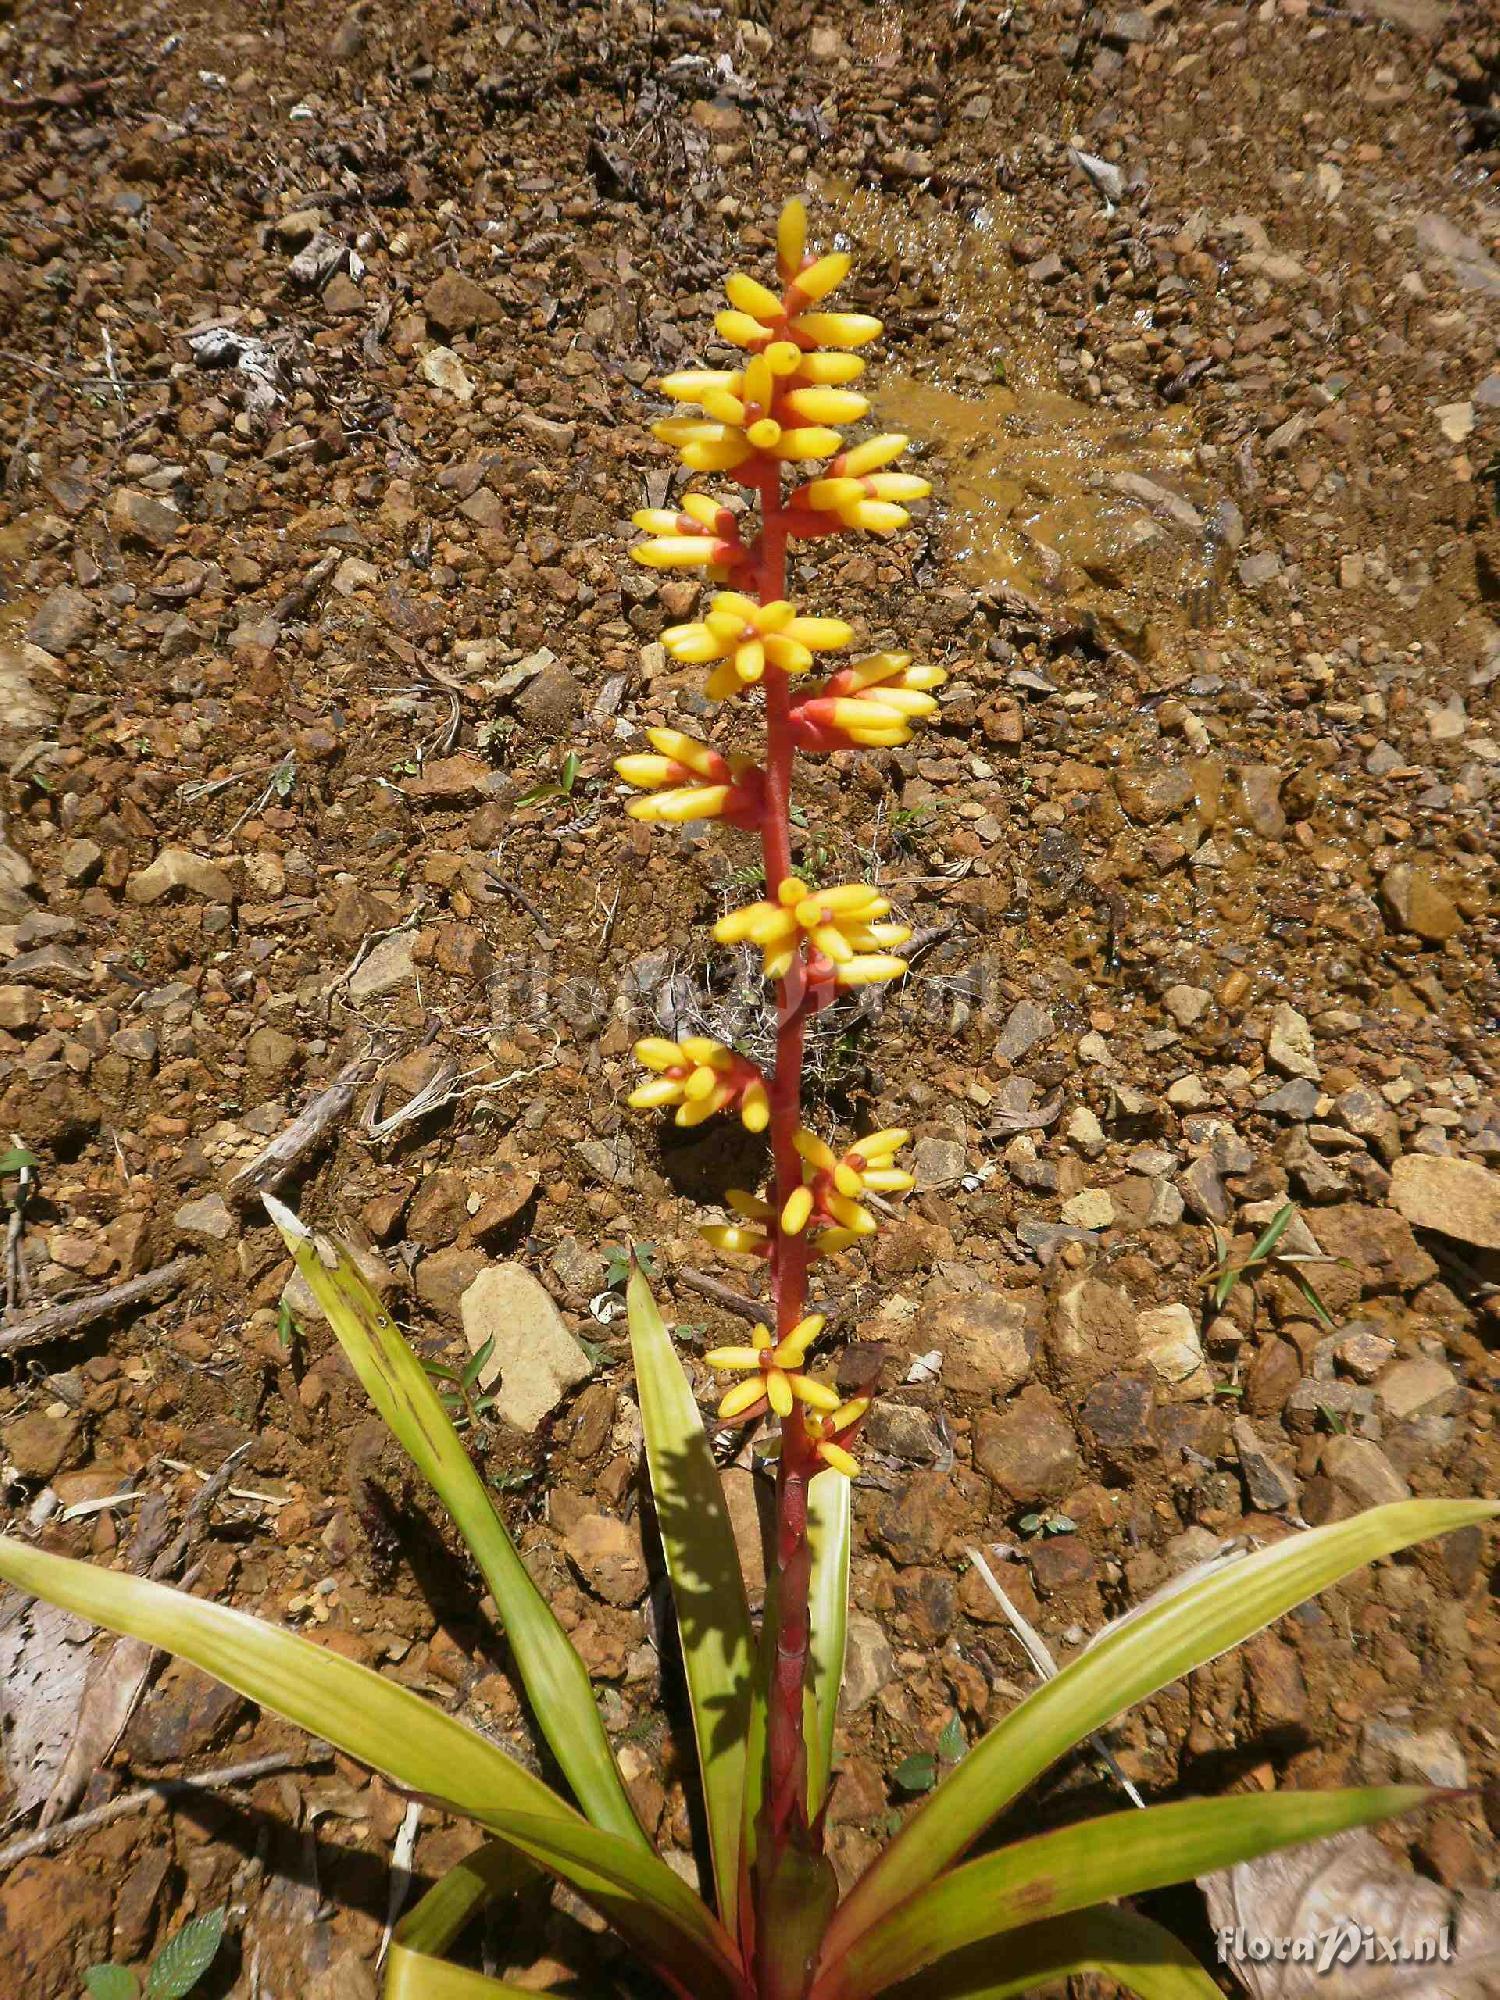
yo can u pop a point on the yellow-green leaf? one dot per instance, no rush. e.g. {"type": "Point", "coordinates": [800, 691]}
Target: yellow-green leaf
{"type": "Point", "coordinates": [828, 1526]}
{"type": "Point", "coordinates": [412, 1743]}
{"type": "Point", "coordinates": [1142, 1957]}
{"type": "Point", "coordinates": [1135, 1658]}
{"type": "Point", "coordinates": [1122, 1854]}
{"type": "Point", "coordinates": [708, 1587]}
{"type": "Point", "coordinates": [414, 1969]}
{"type": "Point", "coordinates": [555, 1679]}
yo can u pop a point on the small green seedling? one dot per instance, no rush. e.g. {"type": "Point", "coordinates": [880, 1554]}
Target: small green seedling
{"type": "Point", "coordinates": [458, 1388]}
{"type": "Point", "coordinates": [560, 787]}
{"type": "Point", "coordinates": [1222, 1278]}
{"type": "Point", "coordinates": [175, 1971]}
{"type": "Point", "coordinates": [617, 1262]}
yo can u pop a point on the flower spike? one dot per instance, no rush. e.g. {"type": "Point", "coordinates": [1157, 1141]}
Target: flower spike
{"type": "Point", "coordinates": [785, 395]}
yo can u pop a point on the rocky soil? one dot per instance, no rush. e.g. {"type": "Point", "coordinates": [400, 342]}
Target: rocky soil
{"type": "Point", "coordinates": [328, 348]}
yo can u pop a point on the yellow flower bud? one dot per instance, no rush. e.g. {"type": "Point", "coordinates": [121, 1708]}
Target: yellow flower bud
{"type": "Point", "coordinates": [791, 240]}
{"type": "Point", "coordinates": [827, 406]}
{"type": "Point", "coordinates": [838, 329]}
{"type": "Point", "coordinates": [821, 278]}
{"type": "Point", "coordinates": [747, 295]}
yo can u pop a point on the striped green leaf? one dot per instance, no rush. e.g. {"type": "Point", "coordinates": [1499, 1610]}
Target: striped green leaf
{"type": "Point", "coordinates": [1135, 1658]}
{"type": "Point", "coordinates": [829, 1511]}
{"type": "Point", "coordinates": [1142, 1957]}
{"type": "Point", "coordinates": [555, 1679]}
{"type": "Point", "coordinates": [708, 1587]}
{"type": "Point", "coordinates": [1122, 1854]}
{"type": "Point", "coordinates": [412, 1743]}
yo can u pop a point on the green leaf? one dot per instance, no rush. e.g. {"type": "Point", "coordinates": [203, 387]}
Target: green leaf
{"type": "Point", "coordinates": [15, 1159]}
{"type": "Point", "coordinates": [183, 1959]}
{"type": "Point", "coordinates": [1309, 1291]}
{"type": "Point", "coordinates": [829, 1510]}
{"type": "Point", "coordinates": [396, 1382]}
{"type": "Point", "coordinates": [916, 1773]}
{"type": "Point", "coordinates": [1122, 1854]}
{"type": "Point", "coordinates": [414, 1970]}
{"type": "Point", "coordinates": [409, 1741]}
{"type": "Point", "coordinates": [1133, 1659]}
{"type": "Point", "coordinates": [952, 1744]}
{"type": "Point", "coordinates": [1272, 1234]}
{"type": "Point", "coordinates": [1139, 1955]}
{"type": "Point", "coordinates": [475, 1366]}
{"type": "Point", "coordinates": [112, 1982]}
{"type": "Point", "coordinates": [708, 1589]}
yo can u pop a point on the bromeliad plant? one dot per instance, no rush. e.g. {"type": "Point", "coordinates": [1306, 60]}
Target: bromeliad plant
{"type": "Point", "coordinates": [921, 1922]}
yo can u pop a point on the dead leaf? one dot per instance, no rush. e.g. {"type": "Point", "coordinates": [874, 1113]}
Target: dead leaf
{"type": "Point", "coordinates": [1331, 1892]}
{"type": "Point", "coordinates": [44, 1664]}
{"type": "Point", "coordinates": [115, 1680]}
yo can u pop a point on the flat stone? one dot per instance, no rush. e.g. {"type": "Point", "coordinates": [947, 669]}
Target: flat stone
{"type": "Point", "coordinates": [551, 700]}
{"type": "Point", "coordinates": [1414, 903]}
{"type": "Point", "coordinates": [1090, 1208]}
{"type": "Point", "coordinates": [1416, 1756]}
{"type": "Point", "coordinates": [443, 369]}
{"type": "Point", "coordinates": [184, 1712]}
{"type": "Point", "coordinates": [141, 517]}
{"type": "Point", "coordinates": [1028, 1449]}
{"type": "Point", "coordinates": [1360, 1470]}
{"type": "Point", "coordinates": [210, 1215]}
{"type": "Point", "coordinates": [179, 869]}
{"type": "Point", "coordinates": [535, 1360]}
{"type": "Point", "coordinates": [938, 1163]}
{"type": "Point", "coordinates": [1270, 1482]}
{"type": "Point", "coordinates": [20, 1007]}
{"type": "Point", "coordinates": [1168, 1343]}
{"type": "Point", "coordinates": [456, 304]}
{"type": "Point", "coordinates": [1289, 1045]}
{"type": "Point", "coordinates": [386, 968]}
{"type": "Point", "coordinates": [869, 1663]}
{"type": "Point", "coordinates": [1417, 1388]}
{"type": "Point", "coordinates": [607, 1554]}
{"type": "Point", "coordinates": [1457, 1198]}
{"type": "Point", "coordinates": [1117, 1411]}
{"type": "Point", "coordinates": [1187, 1004]}
{"type": "Point", "coordinates": [988, 1339]}
{"type": "Point", "coordinates": [37, 1444]}
{"type": "Point", "coordinates": [1028, 1024]}
{"type": "Point", "coordinates": [63, 620]}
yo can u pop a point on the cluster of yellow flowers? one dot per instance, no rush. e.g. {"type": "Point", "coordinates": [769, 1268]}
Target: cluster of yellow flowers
{"type": "Point", "coordinates": [842, 924]}
{"type": "Point", "coordinates": [774, 1379]}
{"type": "Point", "coordinates": [690, 780]}
{"type": "Point", "coordinates": [780, 409]}
{"type": "Point", "coordinates": [700, 1076]}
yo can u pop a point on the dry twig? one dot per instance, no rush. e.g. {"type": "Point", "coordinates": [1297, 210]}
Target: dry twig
{"type": "Point", "coordinates": [50, 1322]}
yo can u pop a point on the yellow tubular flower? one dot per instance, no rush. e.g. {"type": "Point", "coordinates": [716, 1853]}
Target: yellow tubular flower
{"type": "Point", "coordinates": [860, 493]}
{"type": "Point", "coordinates": [700, 1076]}
{"type": "Point", "coordinates": [701, 534]}
{"type": "Point", "coordinates": [837, 329]}
{"type": "Point", "coordinates": [689, 780]}
{"type": "Point", "coordinates": [747, 637]}
{"type": "Point", "coordinates": [774, 1371]}
{"type": "Point", "coordinates": [791, 241]}
{"type": "Point", "coordinates": [829, 1432]}
{"type": "Point", "coordinates": [832, 1182]}
{"type": "Point", "coordinates": [842, 923]}
{"type": "Point", "coordinates": [870, 704]}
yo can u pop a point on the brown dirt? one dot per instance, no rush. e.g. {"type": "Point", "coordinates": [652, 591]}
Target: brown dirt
{"type": "Point", "coordinates": [1214, 579]}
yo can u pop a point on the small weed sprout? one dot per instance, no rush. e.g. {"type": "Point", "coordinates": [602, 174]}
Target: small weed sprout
{"type": "Point", "coordinates": [770, 1922]}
